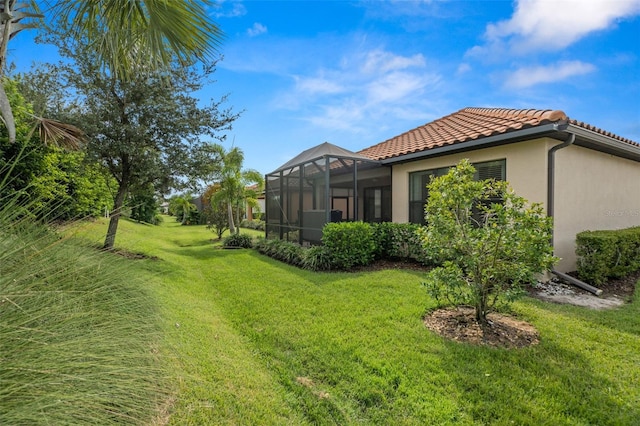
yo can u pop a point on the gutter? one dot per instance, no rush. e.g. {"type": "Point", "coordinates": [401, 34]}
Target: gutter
{"type": "Point", "coordinates": [604, 143]}
{"type": "Point", "coordinates": [551, 162]}
{"type": "Point", "coordinates": [551, 165]}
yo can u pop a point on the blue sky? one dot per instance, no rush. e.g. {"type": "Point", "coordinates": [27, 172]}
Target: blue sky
{"type": "Point", "coordinates": [356, 73]}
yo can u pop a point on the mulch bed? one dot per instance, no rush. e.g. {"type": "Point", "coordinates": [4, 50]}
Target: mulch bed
{"type": "Point", "coordinates": [502, 331]}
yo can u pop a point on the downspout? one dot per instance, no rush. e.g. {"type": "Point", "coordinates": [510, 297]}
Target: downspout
{"type": "Point", "coordinates": [551, 156]}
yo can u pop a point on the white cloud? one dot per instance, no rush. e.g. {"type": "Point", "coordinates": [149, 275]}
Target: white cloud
{"type": "Point", "coordinates": [378, 61]}
{"type": "Point", "coordinates": [396, 86]}
{"type": "Point", "coordinates": [463, 68]}
{"type": "Point", "coordinates": [226, 9]}
{"type": "Point", "coordinates": [256, 30]}
{"type": "Point", "coordinates": [531, 76]}
{"type": "Point", "coordinates": [363, 90]}
{"type": "Point", "coordinates": [317, 85]}
{"type": "Point", "coordinates": [543, 25]}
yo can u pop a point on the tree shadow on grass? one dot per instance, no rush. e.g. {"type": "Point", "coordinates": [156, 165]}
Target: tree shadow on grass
{"type": "Point", "coordinates": [546, 384]}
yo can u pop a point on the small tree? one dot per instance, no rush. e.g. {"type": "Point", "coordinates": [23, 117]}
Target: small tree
{"type": "Point", "coordinates": [215, 211]}
{"type": "Point", "coordinates": [234, 182]}
{"type": "Point", "coordinates": [489, 241]}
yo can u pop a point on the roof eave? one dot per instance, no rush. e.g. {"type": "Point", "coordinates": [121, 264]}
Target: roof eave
{"type": "Point", "coordinates": [485, 142]}
{"type": "Point", "coordinates": [599, 142]}
{"type": "Point", "coordinates": [584, 137]}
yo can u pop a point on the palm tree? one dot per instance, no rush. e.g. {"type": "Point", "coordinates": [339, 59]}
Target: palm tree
{"type": "Point", "coordinates": [182, 205]}
{"type": "Point", "coordinates": [128, 35]}
{"type": "Point", "coordinates": [234, 182]}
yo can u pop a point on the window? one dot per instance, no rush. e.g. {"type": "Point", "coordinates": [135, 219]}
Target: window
{"type": "Point", "coordinates": [418, 193]}
{"type": "Point", "coordinates": [377, 204]}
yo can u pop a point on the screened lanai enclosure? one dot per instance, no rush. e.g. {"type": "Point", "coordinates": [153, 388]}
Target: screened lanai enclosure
{"type": "Point", "coordinates": [325, 184]}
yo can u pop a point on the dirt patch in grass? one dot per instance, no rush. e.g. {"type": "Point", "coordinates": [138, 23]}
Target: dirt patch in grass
{"type": "Point", "coordinates": [502, 331]}
{"type": "Point", "coordinates": [128, 254]}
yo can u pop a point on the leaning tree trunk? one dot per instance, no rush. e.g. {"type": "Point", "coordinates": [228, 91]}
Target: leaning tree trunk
{"type": "Point", "coordinates": [6, 24]}
{"type": "Point", "coordinates": [110, 239]}
{"type": "Point", "coordinates": [7, 113]}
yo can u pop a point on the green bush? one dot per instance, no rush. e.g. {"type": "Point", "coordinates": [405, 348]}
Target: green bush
{"type": "Point", "coordinates": [607, 254]}
{"type": "Point", "coordinates": [350, 243]}
{"type": "Point", "coordinates": [317, 258]}
{"type": "Point", "coordinates": [284, 251]}
{"type": "Point", "coordinates": [238, 240]}
{"type": "Point", "coordinates": [399, 241]}
{"type": "Point", "coordinates": [253, 224]}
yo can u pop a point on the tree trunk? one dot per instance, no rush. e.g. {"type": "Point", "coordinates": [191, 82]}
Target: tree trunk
{"type": "Point", "coordinates": [481, 309]}
{"type": "Point", "coordinates": [110, 240]}
{"type": "Point", "coordinates": [232, 228]}
{"type": "Point", "coordinates": [7, 113]}
{"type": "Point", "coordinates": [5, 106]}
{"type": "Point", "coordinates": [238, 219]}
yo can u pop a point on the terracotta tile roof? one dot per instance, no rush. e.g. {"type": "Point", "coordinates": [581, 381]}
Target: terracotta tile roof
{"type": "Point", "coordinates": [470, 124]}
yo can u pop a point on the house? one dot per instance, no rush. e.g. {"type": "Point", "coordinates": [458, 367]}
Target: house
{"type": "Point", "coordinates": [252, 213]}
{"type": "Point", "coordinates": [585, 177]}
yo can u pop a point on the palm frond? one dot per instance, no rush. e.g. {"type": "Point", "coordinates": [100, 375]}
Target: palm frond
{"type": "Point", "coordinates": [133, 35]}
{"type": "Point", "coordinates": [64, 135]}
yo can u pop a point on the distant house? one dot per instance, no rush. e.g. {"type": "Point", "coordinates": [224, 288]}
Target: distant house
{"type": "Point", "coordinates": [253, 213]}
{"type": "Point", "coordinates": [586, 178]}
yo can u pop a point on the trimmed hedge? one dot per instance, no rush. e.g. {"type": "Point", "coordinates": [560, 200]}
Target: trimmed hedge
{"type": "Point", "coordinates": [399, 241]}
{"type": "Point", "coordinates": [607, 254]}
{"type": "Point", "coordinates": [349, 243]}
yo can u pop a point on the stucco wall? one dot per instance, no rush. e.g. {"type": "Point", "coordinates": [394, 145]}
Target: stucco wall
{"type": "Point", "coordinates": [526, 167]}
{"type": "Point", "coordinates": [593, 191]}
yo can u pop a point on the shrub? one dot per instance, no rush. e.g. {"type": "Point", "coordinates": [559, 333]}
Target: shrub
{"type": "Point", "coordinates": [284, 251]}
{"type": "Point", "coordinates": [253, 224]}
{"type": "Point", "coordinates": [238, 240]}
{"type": "Point", "coordinates": [399, 241]}
{"type": "Point", "coordinates": [607, 254]}
{"type": "Point", "coordinates": [317, 258]}
{"type": "Point", "coordinates": [350, 243]}
{"type": "Point", "coordinates": [488, 257]}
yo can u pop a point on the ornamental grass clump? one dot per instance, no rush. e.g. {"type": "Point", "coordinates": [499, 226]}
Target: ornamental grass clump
{"type": "Point", "coordinates": [489, 241]}
{"type": "Point", "coordinates": [78, 337]}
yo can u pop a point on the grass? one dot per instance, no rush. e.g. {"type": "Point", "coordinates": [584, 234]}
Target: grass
{"type": "Point", "coordinates": [250, 340]}
{"type": "Point", "coordinates": [78, 335]}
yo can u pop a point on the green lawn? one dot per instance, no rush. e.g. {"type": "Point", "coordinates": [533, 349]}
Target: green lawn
{"type": "Point", "coordinates": [249, 340]}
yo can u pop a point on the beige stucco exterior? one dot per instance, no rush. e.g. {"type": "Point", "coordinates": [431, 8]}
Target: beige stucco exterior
{"type": "Point", "coordinates": [526, 167]}
{"type": "Point", "coordinates": [593, 190]}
